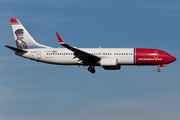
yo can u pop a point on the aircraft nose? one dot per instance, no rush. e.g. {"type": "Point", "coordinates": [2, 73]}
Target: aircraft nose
{"type": "Point", "coordinates": [173, 58]}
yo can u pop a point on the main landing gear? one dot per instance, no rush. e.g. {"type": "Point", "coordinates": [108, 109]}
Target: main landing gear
{"type": "Point", "coordinates": [91, 69]}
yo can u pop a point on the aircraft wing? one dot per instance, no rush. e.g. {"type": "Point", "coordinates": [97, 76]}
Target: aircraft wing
{"type": "Point", "coordinates": [82, 55]}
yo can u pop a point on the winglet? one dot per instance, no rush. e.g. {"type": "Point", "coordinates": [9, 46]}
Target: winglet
{"type": "Point", "coordinates": [60, 39]}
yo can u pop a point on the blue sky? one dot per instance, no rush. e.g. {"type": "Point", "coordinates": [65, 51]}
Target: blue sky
{"type": "Point", "coordinates": [32, 90]}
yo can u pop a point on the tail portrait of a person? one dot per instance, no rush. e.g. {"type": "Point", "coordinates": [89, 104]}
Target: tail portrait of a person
{"type": "Point", "coordinates": [19, 41]}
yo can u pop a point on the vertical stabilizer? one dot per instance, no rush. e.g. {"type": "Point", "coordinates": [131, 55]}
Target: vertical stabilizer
{"type": "Point", "coordinates": [22, 37]}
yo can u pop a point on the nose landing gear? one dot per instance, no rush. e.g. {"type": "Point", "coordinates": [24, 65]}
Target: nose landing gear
{"type": "Point", "coordinates": [161, 65]}
{"type": "Point", "coordinates": [91, 69]}
{"type": "Point", "coordinates": [158, 70]}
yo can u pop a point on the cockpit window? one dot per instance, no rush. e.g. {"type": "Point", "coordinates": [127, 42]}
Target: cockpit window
{"type": "Point", "coordinates": [165, 53]}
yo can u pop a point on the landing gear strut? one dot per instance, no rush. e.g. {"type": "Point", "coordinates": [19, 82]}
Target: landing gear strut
{"type": "Point", "coordinates": [161, 65]}
{"type": "Point", "coordinates": [158, 69]}
{"type": "Point", "coordinates": [91, 69]}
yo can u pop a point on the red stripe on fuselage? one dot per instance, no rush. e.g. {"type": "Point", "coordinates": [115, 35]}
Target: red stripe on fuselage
{"type": "Point", "coordinates": [145, 56]}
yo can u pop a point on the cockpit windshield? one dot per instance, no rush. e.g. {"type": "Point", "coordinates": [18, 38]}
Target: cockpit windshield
{"type": "Point", "coordinates": [165, 53]}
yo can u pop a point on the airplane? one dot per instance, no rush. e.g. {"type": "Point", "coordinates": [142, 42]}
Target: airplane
{"type": "Point", "coordinates": [107, 58]}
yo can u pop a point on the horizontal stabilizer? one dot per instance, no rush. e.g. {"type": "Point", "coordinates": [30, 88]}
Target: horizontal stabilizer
{"type": "Point", "coordinates": [16, 49]}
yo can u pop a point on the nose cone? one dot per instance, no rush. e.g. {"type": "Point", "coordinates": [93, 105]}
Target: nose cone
{"type": "Point", "coordinates": [173, 59]}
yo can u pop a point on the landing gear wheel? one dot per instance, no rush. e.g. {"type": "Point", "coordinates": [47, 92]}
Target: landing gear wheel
{"type": "Point", "coordinates": [91, 69]}
{"type": "Point", "coordinates": [158, 70]}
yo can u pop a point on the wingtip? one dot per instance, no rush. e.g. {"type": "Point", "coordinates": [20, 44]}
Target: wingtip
{"type": "Point", "coordinates": [59, 38]}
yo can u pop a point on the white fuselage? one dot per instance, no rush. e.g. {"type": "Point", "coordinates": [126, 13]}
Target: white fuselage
{"type": "Point", "coordinates": [63, 56]}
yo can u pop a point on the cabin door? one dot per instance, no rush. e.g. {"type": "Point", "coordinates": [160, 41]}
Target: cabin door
{"type": "Point", "coordinates": [39, 54]}
{"type": "Point", "coordinates": [156, 55]}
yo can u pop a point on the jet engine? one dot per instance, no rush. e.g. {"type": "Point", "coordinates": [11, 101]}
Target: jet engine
{"type": "Point", "coordinates": [109, 64]}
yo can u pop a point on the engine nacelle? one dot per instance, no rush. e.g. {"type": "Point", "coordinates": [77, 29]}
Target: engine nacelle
{"type": "Point", "coordinates": [118, 67]}
{"type": "Point", "coordinates": [109, 64]}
